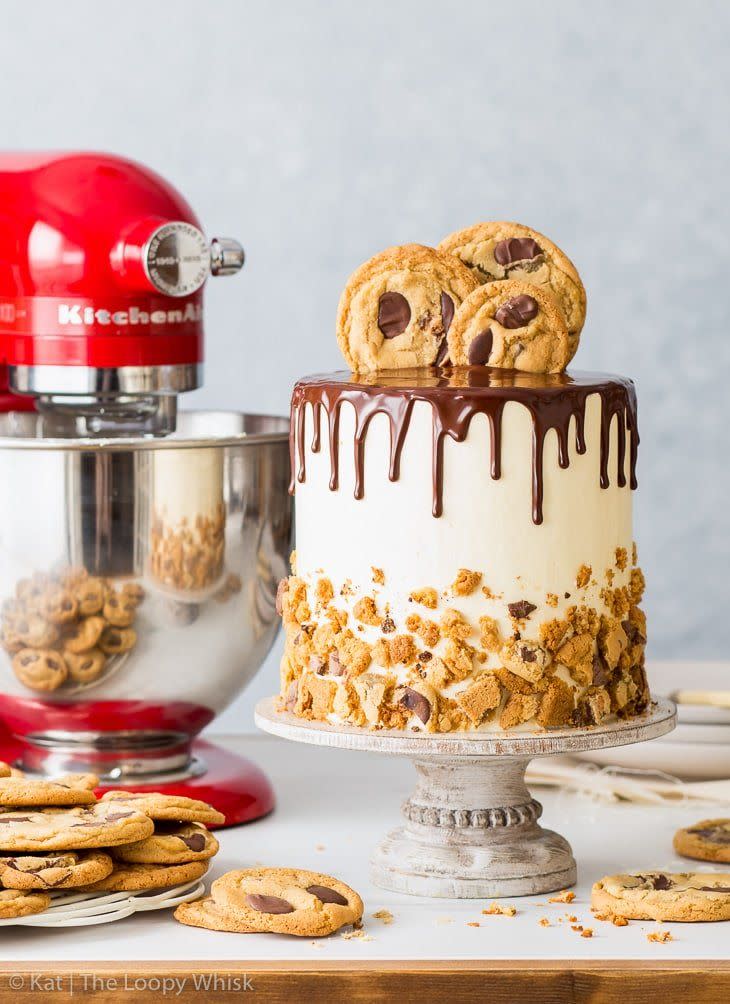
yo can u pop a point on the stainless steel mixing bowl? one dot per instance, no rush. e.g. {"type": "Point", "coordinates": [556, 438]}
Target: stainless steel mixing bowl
{"type": "Point", "coordinates": [138, 581]}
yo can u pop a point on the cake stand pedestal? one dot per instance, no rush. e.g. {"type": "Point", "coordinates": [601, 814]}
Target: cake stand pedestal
{"type": "Point", "coordinates": [470, 827]}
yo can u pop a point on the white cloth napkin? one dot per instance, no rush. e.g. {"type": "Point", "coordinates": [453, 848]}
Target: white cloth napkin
{"type": "Point", "coordinates": [614, 784]}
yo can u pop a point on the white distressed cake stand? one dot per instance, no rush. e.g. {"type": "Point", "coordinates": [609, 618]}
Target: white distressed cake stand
{"type": "Point", "coordinates": [471, 827]}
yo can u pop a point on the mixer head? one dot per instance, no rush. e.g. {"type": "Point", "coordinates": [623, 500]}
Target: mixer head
{"type": "Point", "coordinates": [102, 267]}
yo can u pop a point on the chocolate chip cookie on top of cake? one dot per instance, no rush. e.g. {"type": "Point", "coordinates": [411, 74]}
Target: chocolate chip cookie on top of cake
{"type": "Point", "coordinates": [465, 556]}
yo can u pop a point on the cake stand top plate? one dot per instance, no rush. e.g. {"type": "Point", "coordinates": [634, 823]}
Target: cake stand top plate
{"type": "Point", "coordinates": [657, 721]}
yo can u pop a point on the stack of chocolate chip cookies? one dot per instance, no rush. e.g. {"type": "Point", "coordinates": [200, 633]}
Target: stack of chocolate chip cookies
{"type": "Point", "coordinates": [55, 835]}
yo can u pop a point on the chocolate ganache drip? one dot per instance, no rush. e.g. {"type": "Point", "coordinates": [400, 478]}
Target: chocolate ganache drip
{"type": "Point", "coordinates": [456, 396]}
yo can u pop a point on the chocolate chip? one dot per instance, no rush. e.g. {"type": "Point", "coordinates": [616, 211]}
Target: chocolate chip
{"type": "Point", "coordinates": [447, 311]}
{"type": "Point", "coordinates": [517, 312]}
{"type": "Point", "coordinates": [327, 895]}
{"type": "Point", "coordinates": [424, 656]}
{"type": "Point", "coordinates": [291, 696]}
{"type": "Point", "coordinates": [442, 356]}
{"type": "Point", "coordinates": [658, 882]}
{"type": "Point", "coordinates": [336, 667]}
{"type": "Point", "coordinates": [716, 834]}
{"type": "Point", "coordinates": [388, 625]}
{"type": "Point", "coordinates": [268, 904]}
{"type": "Point", "coordinates": [480, 348]}
{"type": "Point", "coordinates": [528, 655]}
{"type": "Point", "coordinates": [523, 608]}
{"type": "Point", "coordinates": [714, 888]}
{"type": "Point", "coordinates": [600, 670]}
{"type": "Point", "coordinates": [394, 313]}
{"type": "Point", "coordinates": [281, 590]}
{"type": "Point", "coordinates": [416, 703]}
{"type": "Point", "coordinates": [513, 249]}
{"type": "Point", "coordinates": [15, 819]}
{"type": "Point", "coordinates": [114, 816]}
{"type": "Point", "coordinates": [196, 841]}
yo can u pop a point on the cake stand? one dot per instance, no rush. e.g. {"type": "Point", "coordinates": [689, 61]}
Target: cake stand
{"type": "Point", "coordinates": [470, 828]}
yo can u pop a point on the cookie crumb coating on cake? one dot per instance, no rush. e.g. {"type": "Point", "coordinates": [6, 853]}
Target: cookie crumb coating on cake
{"type": "Point", "coordinates": [486, 612]}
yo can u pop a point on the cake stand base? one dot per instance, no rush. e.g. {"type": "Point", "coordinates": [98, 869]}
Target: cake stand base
{"type": "Point", "coordinates": [471, 826]}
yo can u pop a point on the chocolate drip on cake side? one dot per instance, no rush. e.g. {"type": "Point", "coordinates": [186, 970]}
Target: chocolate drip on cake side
{"type": "Point", "coordinates": [456, 396]}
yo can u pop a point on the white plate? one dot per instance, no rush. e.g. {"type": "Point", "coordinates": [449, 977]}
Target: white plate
{"type": "Point", "coordinates": [702, 714]}
{"type": "Point", "coordinates": [710, 735]}
{"type": "Point", "coordinates": [667, 677]}
{"type": "Point", "coordinates": [84, 909]}
{"type": "Point", "coordinates": [700, 762]}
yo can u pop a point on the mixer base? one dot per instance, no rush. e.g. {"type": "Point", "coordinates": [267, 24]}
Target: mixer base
{"type": "Point", "coordinates": [231, 783]}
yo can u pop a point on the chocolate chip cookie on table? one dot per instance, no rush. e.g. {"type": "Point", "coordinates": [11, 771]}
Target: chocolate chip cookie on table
{"type": "Point", "coordinates": [708, 840]}
{"type": "Point", "coordinates": [277, 901]}
{"type": "Point", "coordinates": [663, 896]}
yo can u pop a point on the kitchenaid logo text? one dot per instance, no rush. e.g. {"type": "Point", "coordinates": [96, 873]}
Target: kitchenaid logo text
{"type": "Point", "coordinates": [77, 316]}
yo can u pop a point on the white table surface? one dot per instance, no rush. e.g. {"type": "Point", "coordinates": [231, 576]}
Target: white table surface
{"type": "Point", "coordinates": [333, 806]}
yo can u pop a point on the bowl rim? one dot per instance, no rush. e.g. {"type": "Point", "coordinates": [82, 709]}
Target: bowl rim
{"type": "Point", "coordinates": [172, 442]}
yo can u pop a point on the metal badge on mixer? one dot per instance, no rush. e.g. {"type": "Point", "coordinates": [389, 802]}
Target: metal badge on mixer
{"type": "Point", "coordinates": [177, 259]}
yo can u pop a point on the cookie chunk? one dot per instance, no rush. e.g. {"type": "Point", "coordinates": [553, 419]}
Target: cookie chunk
{"type": "Point", "coordinates": [206, 913]}
{"type": "Point", "coordinates": [499, 251]}
{"type": "Point", "coordinates": [77, 828]}
{"type": "Point", "coordinates": [396, 309]}
{"type": "Point", "coordinates": [135, 878]}
{"type": "Point", "coordinates": [288, 901]}
{"type": "Point", "coordinates": [54, 871]}
{"type": "Point", "coordinates": [176, 808]}
{"type": "Point", "coordinates": [14, 903]}
{"type": "Point", "coordinates": [170, 844]}
{"type": "Point", "coordinates": [510, 325]}
{"type": "Point", "coordinates": [708, 840]}
{"type": "Point", "coordinates": [19, 791]}
{"type": "Point", "coordinates": [690, 896]}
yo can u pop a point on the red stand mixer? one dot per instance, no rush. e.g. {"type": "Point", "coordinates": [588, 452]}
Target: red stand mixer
{"type": "Point", "coordinates": [140, 547]}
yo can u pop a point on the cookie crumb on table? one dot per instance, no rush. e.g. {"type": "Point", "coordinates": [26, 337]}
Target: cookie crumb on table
{"type": "Point", "coordinates": [496, 909]}
{"type": "Point", "coordinates": [660, 937]}
{"type": "Point", "coordinates": [587, 932]}
{"type": "Point", "coordinates": [544, 922]}
{"type": "Point", "coordinates": [473, 923]}
{"type": "Point", "coordinates": [356, 932]}
{"type": "Point", "coordinates": [385, 916]}
{"type": "Point", "coordinates": [566, 896]}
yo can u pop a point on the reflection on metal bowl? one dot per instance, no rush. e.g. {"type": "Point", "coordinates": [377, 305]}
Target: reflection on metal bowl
{"type": "Point", "coordinates": [138, 581]}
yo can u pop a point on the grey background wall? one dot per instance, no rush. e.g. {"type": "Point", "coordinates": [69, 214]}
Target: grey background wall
{"type": "Point", "coordinates": [320, 132]}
